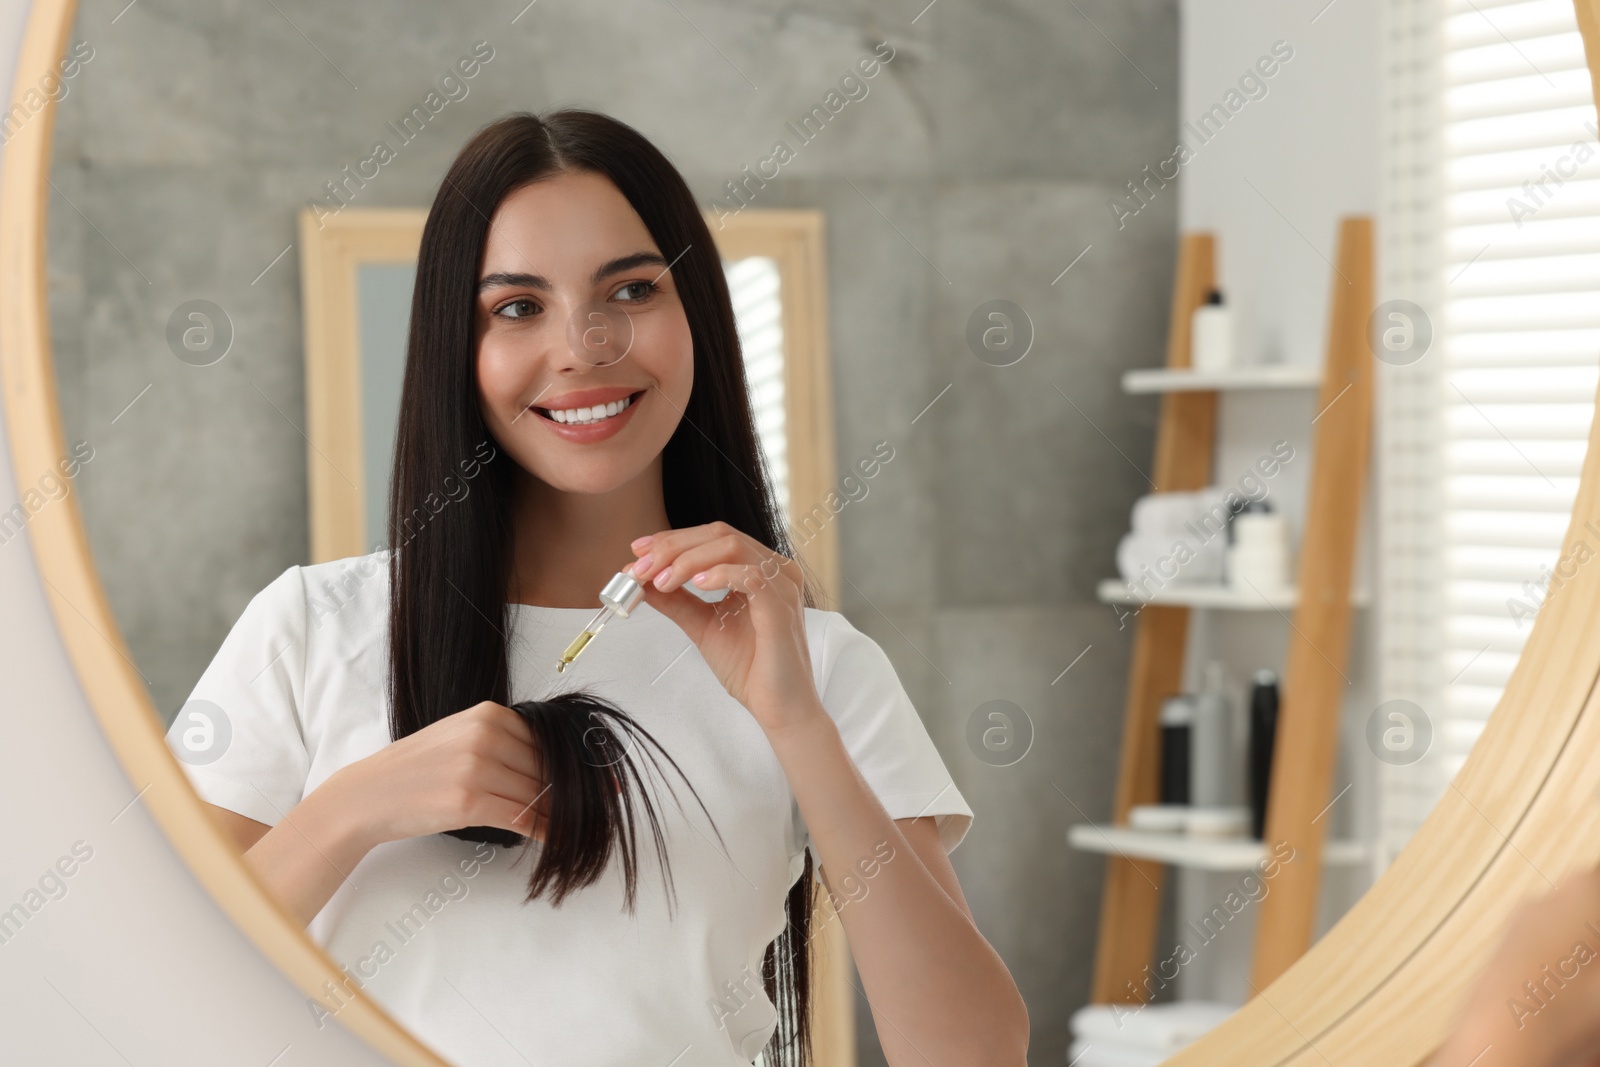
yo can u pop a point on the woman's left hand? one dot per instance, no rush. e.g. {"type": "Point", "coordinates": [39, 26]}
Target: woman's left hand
{"type": "Point", "coordinates": [754, 639]}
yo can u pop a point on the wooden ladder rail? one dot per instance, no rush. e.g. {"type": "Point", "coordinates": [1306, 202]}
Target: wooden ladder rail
{"type": "Point", "coordinates": [1131, 901]}
{"type": "Point", "coordinates": [1314, 679]}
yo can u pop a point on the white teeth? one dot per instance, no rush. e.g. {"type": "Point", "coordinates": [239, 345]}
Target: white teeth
{"type": "Point", "coordinates": [580, 416]}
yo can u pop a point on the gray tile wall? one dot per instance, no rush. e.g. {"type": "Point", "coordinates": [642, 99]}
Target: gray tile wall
{"type": "Point", "coordinates": [977, 167]}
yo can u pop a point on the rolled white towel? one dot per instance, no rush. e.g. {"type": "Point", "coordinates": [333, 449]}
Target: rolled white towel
{"type": "Point", "coordinates": [1207, 563]}
{"type": "Point", "coordinates": [1160, 514]}
{"type": "Point", "coordinates": [1165, 558]}
{"type": "Point", "coordinates": [1096, 1054]}
{"type": "Point", "coordinates": [1170, 514]}
{"type": "Point", "coordinates": [1209, 513]}
{"type": "Point", "coordinates": [1159, 1029]}
{"type": "Point", "coordinates": [1136, 551]}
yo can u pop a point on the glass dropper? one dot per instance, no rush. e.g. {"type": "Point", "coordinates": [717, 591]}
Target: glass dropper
{"type": "Point", "coordinates": [619, 597]}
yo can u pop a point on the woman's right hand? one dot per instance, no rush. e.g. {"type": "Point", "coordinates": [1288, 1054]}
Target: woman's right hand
{"type": "Point", "coordinates": [1537, 1003]}
{"type": "Point", "coordinates": [474, 768]}
{"type": "Point", "coordinates": [477, 767]}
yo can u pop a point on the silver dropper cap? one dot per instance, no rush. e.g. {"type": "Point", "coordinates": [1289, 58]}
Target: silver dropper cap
{"type": "Point", "coordinates": [622, 594]}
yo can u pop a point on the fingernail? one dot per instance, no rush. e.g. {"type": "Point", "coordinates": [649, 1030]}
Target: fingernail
{"type": "Point", "coordinates": [641, 542]}
{"type": "Point", "coordinates": [699, 579]}
{"type": "Point", "coordinates": [641, 566]}
{"type": "Point", "coordinates": [663, 578]}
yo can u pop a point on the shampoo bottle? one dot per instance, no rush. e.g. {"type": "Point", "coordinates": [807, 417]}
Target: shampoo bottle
{"type": "Point", "coordinates": [1212, 338]}
{"type": "Point", "coordinates": [1263, 736]}
{"type": "Point", "coordinates": [1177, 724]}
{"type": "Point", "coordinates": [1213, 781]}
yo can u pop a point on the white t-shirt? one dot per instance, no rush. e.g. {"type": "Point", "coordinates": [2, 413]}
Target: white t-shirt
{"type": "Point", "coordinates": [435, 929]}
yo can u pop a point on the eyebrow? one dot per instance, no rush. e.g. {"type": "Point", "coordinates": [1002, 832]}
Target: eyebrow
{"type": "Point", "coordinates": [602, 272]}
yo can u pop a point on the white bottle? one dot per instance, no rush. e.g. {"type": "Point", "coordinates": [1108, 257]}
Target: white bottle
{"type": "Point", "coordinates": [1258, 558]}
{"type": "Point", "coordinates": [1211, 338]}
{"type": "Point", "coordinates": [1213, 781]}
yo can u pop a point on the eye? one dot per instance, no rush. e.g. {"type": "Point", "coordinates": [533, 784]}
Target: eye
{"type": "Point", "coordinates": [527, 308]}
{"type": "Point", "coordinates": [641, 291]}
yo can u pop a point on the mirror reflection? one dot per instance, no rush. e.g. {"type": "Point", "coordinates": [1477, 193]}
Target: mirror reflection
{"type": "Point", "coordinates": [606, 502]}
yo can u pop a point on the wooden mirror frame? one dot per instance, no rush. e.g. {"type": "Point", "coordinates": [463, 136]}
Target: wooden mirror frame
{"type": "Point", "coordinates": [1382, 986]}
{"type": "Point", "coordinates": [72, 584]}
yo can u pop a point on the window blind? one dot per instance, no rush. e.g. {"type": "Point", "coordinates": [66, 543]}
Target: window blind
{"type": "Point", "coordinates": [753, 283]}
{"type": "Point", "coordinates": [1492, 225]}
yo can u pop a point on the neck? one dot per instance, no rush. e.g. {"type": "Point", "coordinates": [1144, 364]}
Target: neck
{"type": "Point", "coordinates": [568, 545]}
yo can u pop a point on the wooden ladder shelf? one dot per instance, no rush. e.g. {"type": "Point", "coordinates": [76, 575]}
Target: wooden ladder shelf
{"type": "Point", "coordinates": [1318, 643]}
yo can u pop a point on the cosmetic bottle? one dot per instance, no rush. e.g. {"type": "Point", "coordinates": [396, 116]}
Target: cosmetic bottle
{"type": "Point", "coordinates": [1213, 777]}
{"type": "Point", "coordinates": [1177, 721]}
{"type": "Point", "coordinates": [1263, 736]}
{"type": "Point", "coordinates": [1212, 335]}
{"type": "Point", "coordinates": [618, 598]}
{"type": "Point", "coordinates": [1258, 549]}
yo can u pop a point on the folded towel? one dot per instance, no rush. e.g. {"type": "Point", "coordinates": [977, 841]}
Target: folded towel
{"type": "Point", "coordinates": [1168, 514]}
{"type": "Point", "coordinates": [1161, 1029]}
{"type": "Point", "coordinates": [1095, 1054]}
{"type": "Point", "coordinates": [1165, 557]}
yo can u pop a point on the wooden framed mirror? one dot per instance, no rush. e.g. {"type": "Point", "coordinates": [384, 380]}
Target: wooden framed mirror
{"type": "Point", "coordinates": [1380, 987]}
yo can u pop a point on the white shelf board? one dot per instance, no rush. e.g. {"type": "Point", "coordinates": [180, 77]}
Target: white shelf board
{"type": "Point", "coordinates": [1204, 854]}
{"type": "Point", "coordinates": [1198, 595]}
{"type": "Point", "coordinates": [1271, 376]}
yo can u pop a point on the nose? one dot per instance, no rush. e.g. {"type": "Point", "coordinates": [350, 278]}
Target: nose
{"type": "Point", "coordinates": [598, 334]}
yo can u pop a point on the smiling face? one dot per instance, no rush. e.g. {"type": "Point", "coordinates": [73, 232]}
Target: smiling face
{"type": "Point", "coordinates": [585, 359]}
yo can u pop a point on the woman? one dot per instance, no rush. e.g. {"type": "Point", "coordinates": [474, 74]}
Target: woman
{"type": "Point", "coordinates": [535, 458]}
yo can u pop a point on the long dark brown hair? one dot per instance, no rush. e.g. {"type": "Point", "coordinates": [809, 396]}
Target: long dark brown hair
{"type": "Point", "coordinates": [603, 764]}
{"type": "Point", "coordinates": [450, 508]}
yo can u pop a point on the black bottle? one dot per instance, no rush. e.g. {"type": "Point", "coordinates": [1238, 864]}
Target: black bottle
{"type": "Point", "coordinates": [1177, 720]}
{"type": "Point", "coordinates": [1263, 734]}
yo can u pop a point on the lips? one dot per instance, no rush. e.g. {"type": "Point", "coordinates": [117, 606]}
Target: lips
{"type": "Point", "coordinates": [579, 398]}
{"type": "Point", "coordinates": [592, 415]}
{"type": "Point", "coordinates": [580, 415]}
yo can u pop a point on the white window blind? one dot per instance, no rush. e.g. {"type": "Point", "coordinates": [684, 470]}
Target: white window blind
{"type": "Point", "coordinates": [758, 314]}
{"type": "Point", "coordinates": [1492, 226]}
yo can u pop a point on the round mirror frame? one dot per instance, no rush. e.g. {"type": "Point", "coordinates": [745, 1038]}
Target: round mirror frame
{"type": "Point", "coordinates": [1382, 986]}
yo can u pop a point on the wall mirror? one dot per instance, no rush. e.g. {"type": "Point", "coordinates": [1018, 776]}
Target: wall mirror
{"type": "Point", "coordinates": [208, 277]}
